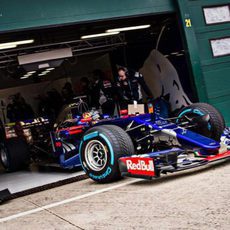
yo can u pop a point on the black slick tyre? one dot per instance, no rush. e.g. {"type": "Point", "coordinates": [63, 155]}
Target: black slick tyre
{"type": "Point", "coordinates": [14, 154]}
{"type": "Point", "coordinates": [2, 132]}
{"type": "Point", "coordinates": [214, 126]}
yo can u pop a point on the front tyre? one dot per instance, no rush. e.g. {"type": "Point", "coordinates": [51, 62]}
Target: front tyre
{"type": "Point", "coordinates": [100, 150]}
{"type": "Point", "coordinates": [212, 127]}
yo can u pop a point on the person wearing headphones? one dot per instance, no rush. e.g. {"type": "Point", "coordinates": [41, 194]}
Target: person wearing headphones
{"type": "Point", "coordinates": [129, 87]}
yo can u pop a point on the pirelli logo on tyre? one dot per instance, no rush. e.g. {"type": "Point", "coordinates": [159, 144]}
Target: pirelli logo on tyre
{"type": "Point", "coordinates": [140, 166]}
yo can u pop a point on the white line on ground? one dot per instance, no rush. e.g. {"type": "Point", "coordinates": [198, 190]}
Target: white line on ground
{"type": "Point", "coordinates": [43, 208]}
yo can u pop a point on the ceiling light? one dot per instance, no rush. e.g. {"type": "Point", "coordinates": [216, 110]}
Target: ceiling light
{"type": "Point", "coordinates": [49, 69]}
{"type": "Point", "coordinates": [17, 43]}
{"type": "Point", "coordinates": [24, 42]}
{"type": "Point", "coordinates": [99, 35]}
{"type": "Point", "coordinates": [128, 28]}
{"type": "Point", "coordinates": [41, 74]}
{"type": "Point", "coordinates": [9, 45]}
{"type": "Point", "coordinates": [179, 55]}
{"type": "Point", "coordinates": [24, 77]}
{"type": "Point", "coordinates": [2, 47]}
{"type": "Point", "coordinates": [174, 53]}
{"type": "Point", "coordinates": [31, 72]}
{"type": "Point", "coordinates": [27, 75]}
{"type": "Point", "coordinates": [46, 71]}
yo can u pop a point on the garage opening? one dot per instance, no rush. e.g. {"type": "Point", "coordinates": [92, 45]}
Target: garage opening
{"type": "Point", "coordinates": [128, 48]}
{"type": "Point", "coordinates": [59, 57]}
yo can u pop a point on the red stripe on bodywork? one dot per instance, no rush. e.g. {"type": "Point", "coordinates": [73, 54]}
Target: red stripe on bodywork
{"type": "Point", "coordinates": [72, 132]}
{"type": "Point", "coordinates": [78, 129]}
{"type": "Point", "coordinates": [58, 144]}
{"type": "Point", "coordinates": [218, 156]}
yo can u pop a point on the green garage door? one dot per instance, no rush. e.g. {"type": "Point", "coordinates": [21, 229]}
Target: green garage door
{"type": "Point", "coordinates": [207, 31]}
{"type": "Point", "coordinates": [24, 14]}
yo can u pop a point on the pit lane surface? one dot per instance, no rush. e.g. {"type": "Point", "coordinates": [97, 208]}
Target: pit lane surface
{"type": "Point", "coordinates": [21, 181]}
{"type": "Point", "coordinates": [196, 199]}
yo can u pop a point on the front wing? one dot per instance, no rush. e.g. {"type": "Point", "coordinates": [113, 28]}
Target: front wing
{"type": "Point", "coordinates": [151, 165]}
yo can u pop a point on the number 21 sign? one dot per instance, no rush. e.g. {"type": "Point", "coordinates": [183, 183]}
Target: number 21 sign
{"type": "Point", "coordinates": [188, 22]}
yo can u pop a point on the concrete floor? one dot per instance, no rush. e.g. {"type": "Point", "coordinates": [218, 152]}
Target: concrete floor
{"type": "Point", "coordinates": [196, 199]}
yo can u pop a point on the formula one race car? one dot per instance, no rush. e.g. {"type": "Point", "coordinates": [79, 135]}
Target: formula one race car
{"type": "Point", "coordinates": [147, 145]}
{"type": "Point", "coordinates": [34, 140]}
{"type": "Point", "coordinates": [140, 145]}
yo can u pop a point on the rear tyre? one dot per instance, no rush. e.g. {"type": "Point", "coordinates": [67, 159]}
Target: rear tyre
{"type": "Point", "coordinates": [100, 150]}
{"type": "Point", "coordinates": [2, 132]}
{"type": "Point", "coordinates": [212, 128]}
{"type": "Point", "coordinates": [14, 154]}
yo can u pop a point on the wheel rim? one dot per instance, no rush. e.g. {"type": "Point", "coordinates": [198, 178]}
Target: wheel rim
{"type": "Point", "coordinates": [96, 155]}
{"type": "Point", "coordinates": [3, 155]}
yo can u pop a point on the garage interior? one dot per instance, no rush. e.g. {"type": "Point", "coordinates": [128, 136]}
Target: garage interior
{"type": "Point", "coordinates": [128, 49]}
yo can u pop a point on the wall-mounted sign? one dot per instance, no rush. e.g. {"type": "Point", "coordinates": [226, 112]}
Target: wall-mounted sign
{"type": "Point", "coordinates": [188, 22]}
{"type": "Point", "coordinates": [219, 14]}
{"type": "Point", "coordinates": [220, 47]}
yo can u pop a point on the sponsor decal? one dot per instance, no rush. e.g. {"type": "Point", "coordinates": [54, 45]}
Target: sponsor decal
{"type": "Point", "coordinates": [103, 176]}
{"type": "Point", "coordinates": [184, 131]}
{"type": "Point", "coordinates": [140, 166]}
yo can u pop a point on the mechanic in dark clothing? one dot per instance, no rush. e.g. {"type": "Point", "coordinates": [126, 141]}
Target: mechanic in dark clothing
{"type": "Point", "coordinates": [67, 93]}
{"type": "Point", "coordinates": [102, 93]}
{"type": "Point", "coordinates": [86, 89]}
{"type": "Point", "coordinates": [129, 87]}
{"type": "Point", "coordinates": [18, 109]}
